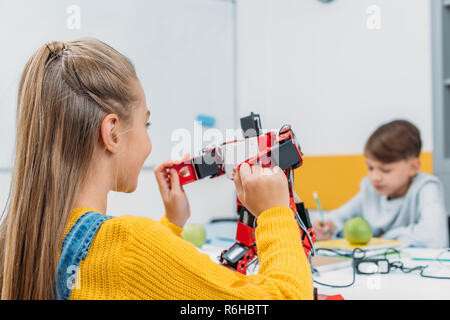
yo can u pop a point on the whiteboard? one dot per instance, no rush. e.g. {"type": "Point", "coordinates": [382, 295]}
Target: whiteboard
{"type": "Point", "coordinates": [183, 51]}
{"type": "Point", "coordinates": [320, 68]}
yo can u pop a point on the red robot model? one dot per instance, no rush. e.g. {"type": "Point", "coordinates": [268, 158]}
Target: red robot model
{"type": "Point", "coordinates": [273, 148]}
{"type": "Point", "coordinates": [270, 149]}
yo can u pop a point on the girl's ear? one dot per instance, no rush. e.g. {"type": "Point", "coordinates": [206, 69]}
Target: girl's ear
{"type": "Point", "coordinates": [108, 133]}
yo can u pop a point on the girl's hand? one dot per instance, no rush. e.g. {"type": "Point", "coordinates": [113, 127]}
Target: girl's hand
{"type": "Point", "coordinates": [260, 188]}
{"type": "Point", "coordinates": [324, 230]}
{"type": "Point", "coordinates": [172, 193]}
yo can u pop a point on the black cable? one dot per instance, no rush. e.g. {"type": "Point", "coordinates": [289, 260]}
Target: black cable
{"type": "Point", "coordinates": [305, 232]}
{"type": "Point", "coordinates": [431, 277]}
{"type": "Point", "coordinates": [391, 250]}
{"type": "Point", "coordinates": [399, 265]}
{"type": "Point", "coordinates": [283, 127]}
{"type": "Point", "coordinates": [392, 265]}
{"type": "Point", "coordinates": [353, 256]}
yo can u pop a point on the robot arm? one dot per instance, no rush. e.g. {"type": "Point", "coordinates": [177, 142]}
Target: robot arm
{"type": "Point", "coordinates": [269, 149]}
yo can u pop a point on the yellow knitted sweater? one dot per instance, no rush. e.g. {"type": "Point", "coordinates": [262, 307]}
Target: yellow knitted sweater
{"type": "Point", "coordinates": [139, 258]}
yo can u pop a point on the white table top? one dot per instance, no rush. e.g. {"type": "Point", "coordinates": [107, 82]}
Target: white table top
{"type": "Point", "coordinates": [396, 284]}
{"type": "Point", "coordinates": [392, 286]}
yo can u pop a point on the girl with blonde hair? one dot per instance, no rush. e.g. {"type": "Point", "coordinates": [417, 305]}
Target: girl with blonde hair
{"type": "Point", "coordinates": [81, 132]}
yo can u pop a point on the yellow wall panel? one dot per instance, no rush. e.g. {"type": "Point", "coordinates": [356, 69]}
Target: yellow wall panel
{"type": "Point", "coordinates": [336, 178]}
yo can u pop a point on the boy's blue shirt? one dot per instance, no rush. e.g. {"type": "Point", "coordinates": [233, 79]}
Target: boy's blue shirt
{"type": "Point", "coordinates": [419, 218]}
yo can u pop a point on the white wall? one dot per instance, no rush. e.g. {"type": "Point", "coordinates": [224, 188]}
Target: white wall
{"type": "Point", "coordinates": [319, 67]}
{"type": "Point", "coordinates": [183, 52]}
{"type": "Point", "coordinates": [208, 199]}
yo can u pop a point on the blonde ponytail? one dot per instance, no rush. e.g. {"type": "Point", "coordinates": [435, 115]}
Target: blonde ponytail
{"type": "Point", "coordinates": [65, 91]}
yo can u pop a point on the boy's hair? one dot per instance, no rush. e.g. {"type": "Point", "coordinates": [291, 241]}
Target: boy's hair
{"type": "Point", "coordinates": [394, 141]}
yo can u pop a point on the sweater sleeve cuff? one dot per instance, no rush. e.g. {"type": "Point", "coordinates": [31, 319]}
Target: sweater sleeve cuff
{"type": "Point", "coordinates": [175, 229]}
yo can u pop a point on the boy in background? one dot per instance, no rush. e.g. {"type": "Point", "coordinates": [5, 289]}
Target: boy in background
{"type": "Point", "coordinates": [397, 200]}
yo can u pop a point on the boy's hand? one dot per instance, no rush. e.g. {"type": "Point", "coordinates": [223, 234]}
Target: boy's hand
{"type": "Point", "coordinates": [260, 188]}
{"type": "Point", "coordinates": [175, 200]}
{"type": "Point", "coordinates": [325, 230]}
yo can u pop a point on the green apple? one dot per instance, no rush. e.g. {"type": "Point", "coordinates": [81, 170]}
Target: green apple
{"type": "Point", "coordinates": [357, 231]}
{"type": "Point", "coordinates": [195, 234]}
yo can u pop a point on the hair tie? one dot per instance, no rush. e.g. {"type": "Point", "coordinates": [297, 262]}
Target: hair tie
{"type": "Point", "coordinates": [56, 47]}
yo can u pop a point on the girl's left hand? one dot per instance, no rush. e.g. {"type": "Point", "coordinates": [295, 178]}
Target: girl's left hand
{"type": "Point", "coordinates": [175, 200]}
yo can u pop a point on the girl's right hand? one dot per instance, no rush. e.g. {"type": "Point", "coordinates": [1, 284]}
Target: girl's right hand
{"type": "Point", "coordinates": [172, 193]}
{"type": "Point", "coordinates": [324, 230]}
{"type": "Point", "coordinates": [260, 188]}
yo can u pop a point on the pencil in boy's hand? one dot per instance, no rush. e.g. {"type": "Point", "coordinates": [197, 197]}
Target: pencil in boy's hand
{"type": "Point", "coordinates": [319, 207]}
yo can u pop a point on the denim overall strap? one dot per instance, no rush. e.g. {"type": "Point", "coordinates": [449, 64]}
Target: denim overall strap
{"type": "Point", "coordinates": [75, 248]}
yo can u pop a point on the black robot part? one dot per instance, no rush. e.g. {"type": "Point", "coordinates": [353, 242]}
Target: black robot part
{"type": "Point", "coordinates": [285, 155]}
{"type": "Point", "coordinates": [251, 125]}
{"type": "Point", "coordinates": [206, 165]}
